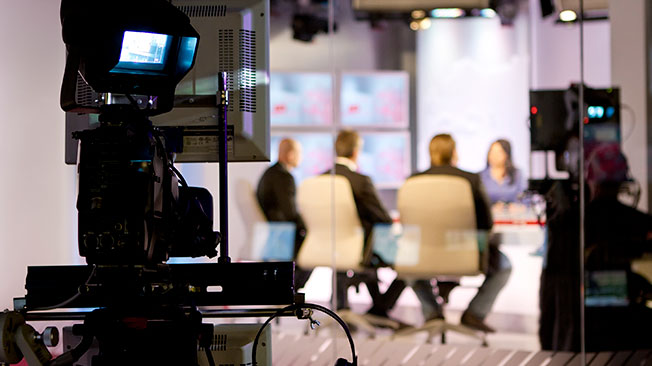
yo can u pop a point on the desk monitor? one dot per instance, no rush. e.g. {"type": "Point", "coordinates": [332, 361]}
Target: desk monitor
{"type": "Point", "coordinates": [233, 39]}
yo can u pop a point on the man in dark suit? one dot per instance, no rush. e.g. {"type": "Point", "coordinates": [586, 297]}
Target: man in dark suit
{"type": "Point", "coordinates": [277, 196]}
{"type": "Point", "coordinates": [370, 210]}
{"type": "Point", "coordinates": [443, 159]}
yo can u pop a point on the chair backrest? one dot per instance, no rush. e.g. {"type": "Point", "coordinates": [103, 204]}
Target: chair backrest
{"type": "Point", "coordinates": [441, 209]}
{"type": "Point", "coordinates": [253, 217]}
{"type": "Point", "coordinates": [318, 198]}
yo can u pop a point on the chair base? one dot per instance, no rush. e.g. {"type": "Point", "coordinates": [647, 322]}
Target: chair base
{"type": "Point", "coordinates": [440, 326]}
{"type": "Point", "coordinates": [363, 322]}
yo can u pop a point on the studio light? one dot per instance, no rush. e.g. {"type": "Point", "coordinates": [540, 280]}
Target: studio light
{"type": "Point", "coordinates": [306, 26]}
{"type": "Point", "coordinates": [447, 13]}
{"type": "Point", "coordinates": [567, 16]}
{"type": "Point", "coordinates": [418, 14]}
{"type": "Point", "coordinates": [487, 13]}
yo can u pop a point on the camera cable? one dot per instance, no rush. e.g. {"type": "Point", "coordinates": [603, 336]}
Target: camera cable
{"type": "Point", "coordinates": [299, 307]}
{"type": "Point", "coordinates": [73, 298]}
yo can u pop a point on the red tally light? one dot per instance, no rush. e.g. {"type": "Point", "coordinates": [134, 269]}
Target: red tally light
{"type": "Point", "coordinates": [534, 110]}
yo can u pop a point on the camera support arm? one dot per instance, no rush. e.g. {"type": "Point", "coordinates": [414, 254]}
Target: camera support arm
{"type": "Point", "coordinates": [223, 154]}
{"type": "Point", "coordinates": [18, 339]}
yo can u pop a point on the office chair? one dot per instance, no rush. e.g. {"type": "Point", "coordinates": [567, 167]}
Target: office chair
{"type": "Point", "coordinates": [327, 206]}
{"type": "Point", "coordinates": [253, 217]}
{"type": "Point", "coordinates": [263, 240]}
{"type": "Point", "coordinates": [442, 211]}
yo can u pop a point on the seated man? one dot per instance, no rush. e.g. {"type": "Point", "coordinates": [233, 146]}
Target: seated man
{"type": "Point", "coordinates": [277, 197]}
{"type": "Point", "coordinates": [444, 158]}
{"type": "Point", "coordinates": [370, 210]}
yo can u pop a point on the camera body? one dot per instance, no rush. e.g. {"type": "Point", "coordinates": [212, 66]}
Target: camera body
{"type": "Point", "coordinates": [130, 205]}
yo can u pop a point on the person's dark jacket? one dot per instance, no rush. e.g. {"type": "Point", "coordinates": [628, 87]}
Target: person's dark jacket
{"type": "Point", "coordinates": [370, 210]}
{"type": "Point", "coordinates": [480, 199]}
{"type": "Point", "coordinates": [616, 234]}
{"type": "Point", "coordinates": [276, 195]}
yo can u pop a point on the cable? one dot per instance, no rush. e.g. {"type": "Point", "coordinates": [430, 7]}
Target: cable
{"type": "Point", "coordinates": [178, 174]}
{"type": "Point", "coordinates": [209, 356]}
{"type": "Point", "coordinates": [295, 307]}
{"type": "Point", "coordinates": [631, 131]}
{"type": "Point", "coordinates": [168, 163]}
{"type": "Point", "coordinates": [133, 101]}
{"type": "Point", "coordinates": [71, 299]}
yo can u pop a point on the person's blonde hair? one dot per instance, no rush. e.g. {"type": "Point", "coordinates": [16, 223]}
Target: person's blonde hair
{"type": "Point", "coordinates": [442, 149]}
{"type": "Point", "coordinates": [346, 143]}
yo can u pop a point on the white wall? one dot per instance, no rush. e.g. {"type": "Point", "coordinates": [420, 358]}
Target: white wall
{"type": "Point", "coordinates": [37, 191]}
{"type": "Point", "coordinates": [556, 52]}
{"type": "Point", "coordinates": [472, 82]}
{"type": "Point", "coordinates": [629, 67]}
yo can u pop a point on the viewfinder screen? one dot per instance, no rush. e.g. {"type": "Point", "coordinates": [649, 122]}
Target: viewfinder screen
{"type": "Point", "coordinates": [142, 51]}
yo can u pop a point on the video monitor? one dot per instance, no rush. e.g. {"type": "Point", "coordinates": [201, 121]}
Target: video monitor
{"type": "Point", "coordinates": [301, 99]}
{"type": "Point", "coordinates": [554, 117]}
{"type": "Point", "coordinates": [143, 51]}
{"type": "Point", "coordinates": [234, 40]}
{"type": "Point", "coordinates": [385, 156]}
{"type": "Point", "coordinates": [378, 99]}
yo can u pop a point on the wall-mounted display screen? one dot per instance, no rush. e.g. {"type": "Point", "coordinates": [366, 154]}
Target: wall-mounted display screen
{"type": "Point", "coordinates": [317, 152]}
{"type": "Point", "coordinates": [379, 99]}
{"type": "Point", "coordinates": [385, 156]}
{"type": "Point", "coordinates": [301, 99]}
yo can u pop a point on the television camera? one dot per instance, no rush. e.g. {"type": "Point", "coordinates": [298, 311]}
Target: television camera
{"type": "Point", "coordinates": [135, 209]}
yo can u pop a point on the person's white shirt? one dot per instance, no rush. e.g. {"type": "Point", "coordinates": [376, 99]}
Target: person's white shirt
{"type": "Point", "coordinates": [347, 163]}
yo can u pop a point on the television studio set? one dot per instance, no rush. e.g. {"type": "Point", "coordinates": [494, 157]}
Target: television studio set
{"type": "Point", "coordinates": [326, 182]}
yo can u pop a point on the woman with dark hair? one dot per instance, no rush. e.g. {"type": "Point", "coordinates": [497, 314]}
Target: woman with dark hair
{"type": "Point", "coordinates": [504, 183]}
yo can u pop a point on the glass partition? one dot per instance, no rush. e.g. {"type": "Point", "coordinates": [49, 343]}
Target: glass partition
{"type": "Point", "coordinates": [460, 263]}
{"type": "Point", "coordinates": [617, 226]}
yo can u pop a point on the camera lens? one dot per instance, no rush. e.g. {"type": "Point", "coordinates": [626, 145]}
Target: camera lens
{"type": "Point", "coordinates": [107, 241]}
{"type": "Point", "coordinates": [91, 241]}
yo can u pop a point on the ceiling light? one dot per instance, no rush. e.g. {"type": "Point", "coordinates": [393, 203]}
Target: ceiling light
{"type": "Point", "coordinates": [418, 14]}
{"type": "Point", "coordinates": [487, 13]}
{"type": "Point", "coordinates": [447, 13]}
{"type": "Point", "coordinates": [567, 16]}
{"type": "Point", "coordinates": [425, 23]}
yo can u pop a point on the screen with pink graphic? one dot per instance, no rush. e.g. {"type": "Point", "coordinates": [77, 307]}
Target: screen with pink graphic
{"type": "Point", "coordinates": [301, 99]}
{"type": "Point", "coordinates": [385, 156]}
{"type": "Point", "coordinates": [378, 99]}
{"type": "Point", "coordinates": [317, 152]}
